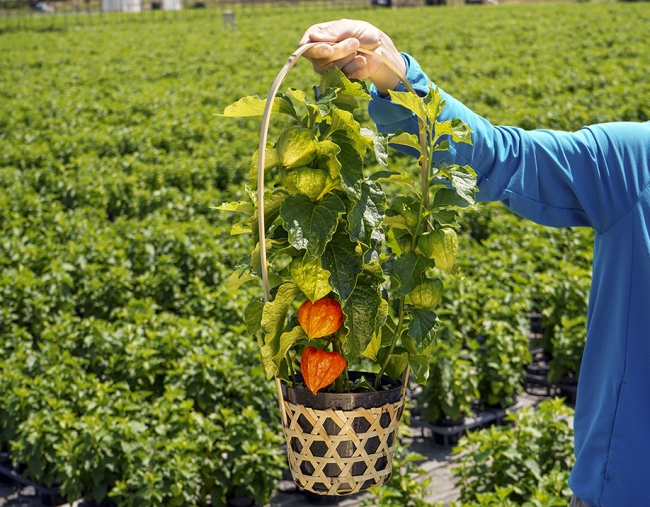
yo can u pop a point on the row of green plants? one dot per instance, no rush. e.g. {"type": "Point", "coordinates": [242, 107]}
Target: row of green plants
{"type": "Point", "coordinates": [123, 372]}
{"type": "Point", "coordinates": [525, 462]}
{"type": "Point", "coordinates": [122, 347]}
{"type": "Point", "coordinates": [156, 409]}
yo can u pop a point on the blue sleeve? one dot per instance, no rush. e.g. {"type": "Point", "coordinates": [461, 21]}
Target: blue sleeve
{"type": "Point", "coordinates": [591, 177]}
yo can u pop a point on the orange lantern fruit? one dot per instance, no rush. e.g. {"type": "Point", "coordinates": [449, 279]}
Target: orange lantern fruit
{"type": "Point", "coordinates": [321, 318]}
{"type": "Point", "coordinates": [320, 368]}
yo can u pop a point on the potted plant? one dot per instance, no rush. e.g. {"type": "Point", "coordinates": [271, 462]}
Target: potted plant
{"type": "Point", "coordinates": [501, 356]}
{"type": "Point", "coordinates": [333, 244]}
{"type": "Point", "coordinates": [452, 387]}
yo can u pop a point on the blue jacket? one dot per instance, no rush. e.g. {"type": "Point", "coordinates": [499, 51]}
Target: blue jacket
{"type": "Point", "coordinates": [597, 177]}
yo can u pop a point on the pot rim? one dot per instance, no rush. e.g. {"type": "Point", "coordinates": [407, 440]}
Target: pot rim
{"type": "Point", "coordinates": [345, 401]}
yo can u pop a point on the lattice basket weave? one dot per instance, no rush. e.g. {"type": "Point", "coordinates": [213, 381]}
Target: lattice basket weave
{"type": "Point", "coordinates": [340, 452]}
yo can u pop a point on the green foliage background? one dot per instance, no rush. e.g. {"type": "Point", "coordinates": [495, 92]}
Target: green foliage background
{"type": "Point", "coordinates": [123, 367]}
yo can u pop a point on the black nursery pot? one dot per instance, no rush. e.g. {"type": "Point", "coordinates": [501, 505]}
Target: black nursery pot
{"type": "Point", "coordinates": [341, 443]}
{"type": "Point", "coordinates": [245, 501]}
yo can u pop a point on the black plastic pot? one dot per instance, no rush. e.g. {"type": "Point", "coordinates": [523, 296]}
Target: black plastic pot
{"type": "Point", "coordinates": [536, 322]}
{"type": "Point", "coordinates": [106, 502]}
{"type": "Point", "coordinates": [568, 388]}
{"type": "Point", "coordinates": [448, 421]}
{"type": "Point", "coordinates": [245, 501]}
{"type": "Point", "coordinates": [345, 401]}
{"type": "Point", "coordinates": [331, 437]}
{"type": "Point", "coordinates": [5, 464]}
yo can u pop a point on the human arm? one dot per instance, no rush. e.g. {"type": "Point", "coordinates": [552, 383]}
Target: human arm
{"type": "Point", "coordinates": [591, 177]}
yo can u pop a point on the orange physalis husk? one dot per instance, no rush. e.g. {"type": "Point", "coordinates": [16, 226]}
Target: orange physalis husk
{"type": "Point", "coordinates": [321, 318]}
{"type": "Point", "coordinates": [320, 368]}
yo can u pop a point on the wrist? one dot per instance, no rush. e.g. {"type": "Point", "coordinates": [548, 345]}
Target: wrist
{"type": "Point", "coordinates": [386, 78]}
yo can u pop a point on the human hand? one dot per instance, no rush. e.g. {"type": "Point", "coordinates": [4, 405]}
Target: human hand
{"type": "Point", "coordinates": [341, 40]}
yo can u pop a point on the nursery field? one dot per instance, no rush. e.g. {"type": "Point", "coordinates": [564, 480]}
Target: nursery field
{"type": "Point", "coordinates": [125, 368]}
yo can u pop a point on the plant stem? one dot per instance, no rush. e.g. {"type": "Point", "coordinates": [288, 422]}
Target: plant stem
{"type": "Point", "coordinates": [338, 383]}
{"type": "Point", "coordinates": [291, 370]}
{"type": "Point", "coordinates": [398, 332]}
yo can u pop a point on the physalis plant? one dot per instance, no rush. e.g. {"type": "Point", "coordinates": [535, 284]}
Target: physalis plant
{"type": "Point", "coordinates": [339, 249]}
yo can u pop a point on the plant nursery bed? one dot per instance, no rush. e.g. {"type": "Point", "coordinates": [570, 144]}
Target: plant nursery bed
{"type": "Point", "coordinates": [450, 435]}
{"type": "Point", "coordinates": [49, 496]}
{"type": "Point", "coordinates": [536, 381]}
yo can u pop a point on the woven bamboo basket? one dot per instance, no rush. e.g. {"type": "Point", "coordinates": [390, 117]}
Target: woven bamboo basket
{"type": "Point", "coordinates": [340, 444]}
{"type": "Point", "coordinates": [337, 444]}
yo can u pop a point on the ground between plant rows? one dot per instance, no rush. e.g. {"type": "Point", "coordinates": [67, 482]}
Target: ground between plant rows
{"type": "Point", "coordinates": [438, 465]}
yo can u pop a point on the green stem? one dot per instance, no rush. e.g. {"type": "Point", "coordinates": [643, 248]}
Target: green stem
{"type": "Point", "coordinates": [398, 332]}
{"type": "Point", "coordinates": [338, 383]}
{"type": "Point", "coordinates": [291, 370]}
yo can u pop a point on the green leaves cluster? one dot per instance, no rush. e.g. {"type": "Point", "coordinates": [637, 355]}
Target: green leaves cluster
{"type": "Point", "coordinates": [527, 463]}
{"type": "Point", "coordinates": [332, 229]}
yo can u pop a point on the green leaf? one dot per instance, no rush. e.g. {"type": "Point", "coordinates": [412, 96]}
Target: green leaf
{"type": "Point", "coordinates": [435, 104]}
{"type": "Point", "coordinates": [253, 316]}
{"type": "Point", "coordinates": [533, 466]}
{"type": "Point", "coordinates": [411, 102]}
{"type": "Point", "coordinates": [236, 280]}
{"type": "Point", "coordinates": [274, 350]}
{"type": "Point", "coordinates": [326, 152]}
{"type": "Point", "coordinates": [344, 263]}
{"type": "Point", "coordinates": [310, 277]}
{"type": "Point", "coordinates": [343, 121]}
{"type": "Point", "coordinates": [240, 229]}
{"type": "Point", "coordinates": [448, 197]}
{"type": "Point", "coordinates": [441, 146]}
{"type": "Point", "coordinates": [446, 217]}
{"type": "Point", "coordinates": [334, 78]}
{"type": "Point", "coordinates": [275, 312]}
{"type": "Point", "coordinates": [397, 363]}
{"type": "Point", "coordinates": [420, 368]}
{"type": "Point", "coordinates": [406, 139]}
{"type": "Point", "coordinates": [311, 224]}
{"type": "Point", "coordinates": [392, 177]}
{"type": "Point", "coordinates": [324, 102]}
{"type": "Point", "coordinates": [456, 128]}
{"type": "Point", "coordinates": [296, 147]}
{"type": "Point", "coordinates": [378, 341]}
{"type": "Point", "coordinates": [373, 347]}
{"type": "Point", "coordinates": [423, 327]}
{"type": "Point", "coordinates": [388, 332]}
{"type": "Point", "coordinates": [274, 317]}
{"type": "Point", "coordinates": [254, 106]}
{"type": "Point", "coordinates": [367, 214]}
{"type": "Point", "coordinates": [380, 145]}
{"type": "Point", "coordinates": [463, 178]}
{"type": "Point", "coordinates": [272, 202]}
{"type": "Point", "coordinates": [301, 97]}
{"type": "Point", "coordinates": [361, 311]}
{"type": "Point", "coordinates": [409, 268]}
{"type": "Point", "coordinates": [351, 165]}
{"type": "Point", "coordinates": [239, 207]}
